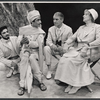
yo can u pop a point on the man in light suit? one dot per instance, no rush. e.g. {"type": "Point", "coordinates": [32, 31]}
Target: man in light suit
{"type": "Point", "coordinates": [57, 35]}
{"type": "Point", "coordinates": [9, 51]}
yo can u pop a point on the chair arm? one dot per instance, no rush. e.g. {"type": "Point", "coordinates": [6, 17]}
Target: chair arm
{"type": "Point", "coordinates": [56, 57]}
{"type": "Point", "coordinates": [90, 48]}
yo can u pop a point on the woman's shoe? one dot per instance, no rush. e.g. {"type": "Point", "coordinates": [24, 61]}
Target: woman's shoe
{"type": "Point", "coordinates": [57, 82]}
{"type": "Point", "coordinates": [68, 88]}
{"type": "Point", "coordinates": [74, 90]}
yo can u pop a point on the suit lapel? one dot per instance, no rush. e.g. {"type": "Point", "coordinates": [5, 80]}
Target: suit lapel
{"type": "Point", "coordinates": [61, 33]}
{"type": "Point", "coordinates": [13, 42]}
{"type": "Point", "coordinates": [6, 45]}
{"type": "Point", "coordinates": [87, 33]}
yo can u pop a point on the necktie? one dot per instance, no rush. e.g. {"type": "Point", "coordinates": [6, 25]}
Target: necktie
{"type": "Point", "coordinates": [58, 33]}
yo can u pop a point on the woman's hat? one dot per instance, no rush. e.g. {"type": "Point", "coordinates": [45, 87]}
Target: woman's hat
{"type": "Point", "coordinates": [93, 13]}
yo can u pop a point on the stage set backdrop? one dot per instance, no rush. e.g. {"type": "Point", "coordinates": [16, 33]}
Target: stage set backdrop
{"type": "Point", "coordinates": [14, 14]}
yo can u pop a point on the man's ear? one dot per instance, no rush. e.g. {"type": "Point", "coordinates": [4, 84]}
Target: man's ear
{"type": "Point", "coordinates": [62, 19]}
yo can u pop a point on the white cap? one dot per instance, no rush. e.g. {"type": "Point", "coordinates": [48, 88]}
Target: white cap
{"type": "Point", "coordinates": [93, 13]}
{"type": "Point", "coordinates": [32, 15]}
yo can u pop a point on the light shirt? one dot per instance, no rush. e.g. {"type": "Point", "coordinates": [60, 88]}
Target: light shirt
{"type": "Point", "coordinates": [11, 50]}
{"type": "Point", "coordinates": [58, 32]}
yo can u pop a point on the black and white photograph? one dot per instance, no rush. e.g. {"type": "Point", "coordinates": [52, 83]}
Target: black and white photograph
{"type": "Point", "coordinates": [50, 49]}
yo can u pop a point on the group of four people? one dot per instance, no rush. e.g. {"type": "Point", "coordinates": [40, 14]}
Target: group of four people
{"type": "Point", "coordinates": [72, 69]}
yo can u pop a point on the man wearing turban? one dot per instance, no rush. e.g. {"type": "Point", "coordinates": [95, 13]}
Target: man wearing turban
{"type": "Point", "coordinates": [32, 50]}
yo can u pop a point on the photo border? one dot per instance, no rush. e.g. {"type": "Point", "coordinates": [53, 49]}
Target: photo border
{"type": "Point", "coordinates": [50, 1]}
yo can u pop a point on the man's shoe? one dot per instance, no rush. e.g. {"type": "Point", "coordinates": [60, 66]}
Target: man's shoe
{"type": "Point", "coordinates": [10, 73]}
{"type": "Point", "coordinates": [15, 72]}
{"type": "Point", "coordinates": [48, 76]}
{"type": "Point", "coordinates": [42, 87]}
{"type": "Point", "coordinates": [21, 91]}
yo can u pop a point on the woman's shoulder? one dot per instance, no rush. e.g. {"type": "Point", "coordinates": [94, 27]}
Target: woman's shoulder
{"type": "Point", "coordinates": [82, 26]}
{"type": "Point", "coordinates": [97, 25]}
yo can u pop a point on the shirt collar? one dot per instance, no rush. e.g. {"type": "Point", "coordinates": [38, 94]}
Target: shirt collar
{"type": "Point", "coordinates": [5, 41]}
{"type": "Point", "coordinates": [60, 27]}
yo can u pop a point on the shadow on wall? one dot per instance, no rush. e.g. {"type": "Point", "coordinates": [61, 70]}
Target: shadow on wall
{"type": "Point", "coordinates": [73, 13]}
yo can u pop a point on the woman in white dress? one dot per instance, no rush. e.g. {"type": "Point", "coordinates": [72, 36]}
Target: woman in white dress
{"type": "Point", "coordinates": [73, 68]}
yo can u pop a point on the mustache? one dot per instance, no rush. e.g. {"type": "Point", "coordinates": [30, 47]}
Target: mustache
{"type": "Point", "coordinates": [7, 35]}
{"type": "Point", "coordinates": [6, 38]}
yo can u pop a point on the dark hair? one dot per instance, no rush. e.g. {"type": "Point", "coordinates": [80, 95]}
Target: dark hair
{"type": "Point", "coordinates": [2, 28]}
{"type": "Point", "coordinates": [59, 14]}
{"type": "Point", "coordinates": [92, 19]}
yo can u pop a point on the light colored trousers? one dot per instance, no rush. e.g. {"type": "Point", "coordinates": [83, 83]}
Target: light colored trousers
{"type": "Point", "coordinates": [48, 53]}
{"type": "Point", "coordinates": [4, 67]}
{"type": "Point", "coordinates": [33, 61]}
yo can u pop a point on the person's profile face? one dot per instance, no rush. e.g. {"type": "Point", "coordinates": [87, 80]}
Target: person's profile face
{"type": "Point", "coordinates": [36, 22]}
{"type": "Point", "coordinates": [57, 20]}
{"type": "Point", "coordinates": [86, 16]}
{"type": "Point", "coordinates": [5, 34]}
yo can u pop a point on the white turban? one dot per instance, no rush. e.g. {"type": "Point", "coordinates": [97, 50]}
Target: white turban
{"type": "Point", "coordinates": [32, 15]}
{"type": "Point", "coordinates": [93, 13]}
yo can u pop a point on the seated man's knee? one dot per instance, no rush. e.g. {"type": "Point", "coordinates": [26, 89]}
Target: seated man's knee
{"type": "Point", "coordinates": [2, 67]}
{"type": "Point", "coordinates": [25, 55]}
{"type": "Point", "coordinates": [46, 49]}
{"type": "Point", "coordinates": [32, 57]}
{"type": "Point", "coordinates": [24, 58]}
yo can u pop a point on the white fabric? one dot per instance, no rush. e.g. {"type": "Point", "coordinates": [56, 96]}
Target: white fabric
{"type": "Point", "coordinates": [13, 52]}
{"type": "Point", "coordinates": [32, 15]}
{"type": "Point", "coordinates": [29, 30]}
{"type": "Point", "coordinates": [2, 67]}
{"type": "Point", "coordinates": [66, 32]}
{"type": "Point", "coordinates": [93, 13]}
{"type": "Point", "coordinates": [6, 51]}
{"type": "Point", "coordinates": [73, 69]}
{"type": "Point", "coordinates": [29, 79]}
{"type": "Point", "coordinates": [58, 33]}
